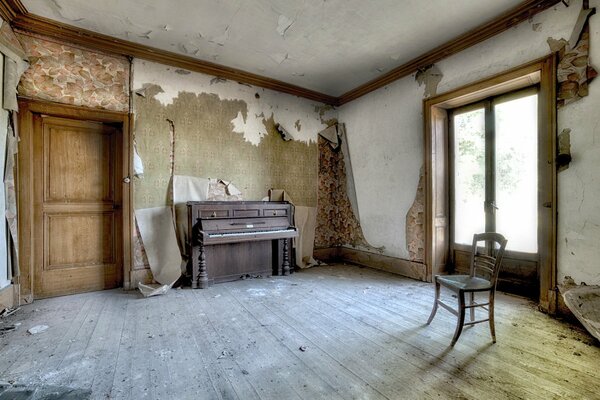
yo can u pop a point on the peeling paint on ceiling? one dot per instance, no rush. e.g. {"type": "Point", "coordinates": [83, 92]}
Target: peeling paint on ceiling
{"type": "Point", "coordinates": [329, 46]}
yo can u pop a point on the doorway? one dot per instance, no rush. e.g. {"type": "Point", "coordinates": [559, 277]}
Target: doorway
{"type": "Point", "coordinates": [72, 199]}
{"type": "Point", "coordinates": [488, 182]}
{"type": "Point", "coordinates": [493, 158]}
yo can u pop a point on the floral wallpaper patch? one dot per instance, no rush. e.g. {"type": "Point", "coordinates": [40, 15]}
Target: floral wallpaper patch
{"type": "Point", "coordinates": [66, 74]}
{"type": "Point", "coordinates": [574, 72]}
{"type": "Point", "coordinates": [336, 223]}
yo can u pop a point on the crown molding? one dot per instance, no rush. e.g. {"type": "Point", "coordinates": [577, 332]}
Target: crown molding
{"type": "Point", "coordinates": [9, 9]}
{"type": "Point", "coordinates": [513, 17]}
{"type": "Point", "coordinates": [14, 12]}
{"type": "Point", "coordinates": [82, 37]}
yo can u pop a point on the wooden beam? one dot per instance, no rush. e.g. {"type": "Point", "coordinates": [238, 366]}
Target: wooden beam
{"type": "Point", "coordinates": [500, 24]}
{"type": "Point", "coordinates": [46, 27]}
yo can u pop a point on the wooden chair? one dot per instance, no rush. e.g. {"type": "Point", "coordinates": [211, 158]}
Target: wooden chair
{"type": "Point", "coordinates": [485, 265]}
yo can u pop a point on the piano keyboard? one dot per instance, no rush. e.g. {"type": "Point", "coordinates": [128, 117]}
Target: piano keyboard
{"type": "Point", "coordinates": [217, 235]}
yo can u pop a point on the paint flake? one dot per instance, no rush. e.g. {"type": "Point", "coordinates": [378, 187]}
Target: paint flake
{"type": "Point", "coordinates": [283, 24]}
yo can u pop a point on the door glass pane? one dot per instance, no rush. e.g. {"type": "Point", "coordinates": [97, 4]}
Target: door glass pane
{"type": "Point", "coordinates": [469, 175]}
{"type": "Point", "coordinates": [516, 172]}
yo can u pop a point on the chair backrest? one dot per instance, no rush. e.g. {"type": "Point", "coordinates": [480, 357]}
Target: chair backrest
{"type": "Point", "coordinates": [487, 258]}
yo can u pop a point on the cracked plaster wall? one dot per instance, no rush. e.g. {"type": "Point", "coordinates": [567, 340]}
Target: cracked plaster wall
{"type": "Point", "coordinates": [389, 122]}
{"type": "Point", "coordinates": [222, 130]}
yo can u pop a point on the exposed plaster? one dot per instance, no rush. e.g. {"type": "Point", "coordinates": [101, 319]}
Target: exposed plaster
{"type": "Point", "coordinates": [66, 14]}
{"type": "Point", "coordinates": [564, 150]}
{"type": "Point", "coordinates": [283, 24]}
{"type": "Point", "coordinates": [431, 76]}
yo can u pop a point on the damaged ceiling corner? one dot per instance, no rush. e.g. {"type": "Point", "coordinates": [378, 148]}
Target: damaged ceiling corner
{"type": "Point", "coordinates": [431, 76]}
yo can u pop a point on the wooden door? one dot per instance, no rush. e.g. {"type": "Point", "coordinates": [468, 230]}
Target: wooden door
{"type": "Point", "coordinates": [77, 206]}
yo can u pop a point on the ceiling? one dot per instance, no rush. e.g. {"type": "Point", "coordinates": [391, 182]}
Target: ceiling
{"type": "Point", "coordinates": [329, 46]}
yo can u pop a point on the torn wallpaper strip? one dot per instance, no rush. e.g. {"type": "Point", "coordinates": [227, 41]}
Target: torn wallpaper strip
{"type": "Point", "coordinates": [160, 243]}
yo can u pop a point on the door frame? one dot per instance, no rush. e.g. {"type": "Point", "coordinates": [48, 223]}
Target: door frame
{"type": "Point", "coordinates": [24, 181]}
{"type": "Point", "coordinates": [437, 199]}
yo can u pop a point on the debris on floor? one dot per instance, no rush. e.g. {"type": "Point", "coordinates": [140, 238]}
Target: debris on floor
{"type": "Point", "coordinates": [153, 290]}
{"type": "Point", "coordinates": [248, 276]}
{"type": "Point", "coordinates": [22, 392]}
{"type": "Point", "coordinates": [302, 348]}
{"type": "Point", "coordinates": [8, 312]}
{"type": "Point", "coordinates": [37, 329]}
{"type": "Point", "coordinates": [584, 303]}
{"type": "Point", "coordinates": [7, 328]}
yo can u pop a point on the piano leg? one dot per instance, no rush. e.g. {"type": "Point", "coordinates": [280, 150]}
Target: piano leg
{"type": "Point", "coordinates": [202, 275]}
{"type": "Point", "coordinates": [195, 258]}
{"type": "Point", "coordinates": [286, 258]}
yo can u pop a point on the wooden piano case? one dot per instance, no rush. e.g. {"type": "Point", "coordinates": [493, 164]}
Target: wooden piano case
{"type": "Point", "coordinates": [229, 240]}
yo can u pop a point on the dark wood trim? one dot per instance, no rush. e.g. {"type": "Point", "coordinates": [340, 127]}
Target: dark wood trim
{"type": "Point", "coordinates": [547, 237]}
{"type": "Point", "coordinates": [399, 266]}
{"type": "Point", "coordinates": [505, 21]}
{"type": "Point", "coordinates": [43, 26]}
{"type": "Point", "coordinates": [9, 9]}
{"type": "Point", "coordinates": [24, 180]}
{"type": "Point", "coordinates": [14, 12]}
{"type": "Point", "coordinates": [410, 269]}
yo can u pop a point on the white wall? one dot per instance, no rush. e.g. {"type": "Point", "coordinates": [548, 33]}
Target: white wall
{"type": "Point", "coordinates": [3, 232]}
{"type": "Point", "coordinates": [385, 136]}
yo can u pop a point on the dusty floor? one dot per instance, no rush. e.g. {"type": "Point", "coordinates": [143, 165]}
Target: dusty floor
{"type": "Point", "coordinates": [337, 332]}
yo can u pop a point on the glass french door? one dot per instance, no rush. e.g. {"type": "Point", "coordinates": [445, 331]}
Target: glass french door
{"type": "Point", "coordinates": [494, 179]}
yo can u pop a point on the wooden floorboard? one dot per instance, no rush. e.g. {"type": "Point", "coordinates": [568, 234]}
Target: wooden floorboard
{"type": "Point", "coordinates": [334, 332]}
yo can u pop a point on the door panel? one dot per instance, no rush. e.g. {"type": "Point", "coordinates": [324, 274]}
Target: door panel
{"type": "Point", "coordinates": [78, 162]}
{"type": "Point", "coordinates": [76, 206]}
{"type": "Point", "coordinates": [79, 240]}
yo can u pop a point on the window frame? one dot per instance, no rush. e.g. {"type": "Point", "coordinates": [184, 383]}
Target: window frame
{"type": "Point", "coordinates": [436, 126]}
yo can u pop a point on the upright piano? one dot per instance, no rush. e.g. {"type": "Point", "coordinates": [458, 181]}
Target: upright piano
{"type": "Point", "coordinates": [231, 239]}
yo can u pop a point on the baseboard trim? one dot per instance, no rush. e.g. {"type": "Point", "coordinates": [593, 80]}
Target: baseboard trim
{"type": "Point", "coordinates": [399, 266]}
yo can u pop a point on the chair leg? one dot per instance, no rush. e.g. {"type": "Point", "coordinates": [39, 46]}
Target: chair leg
{"type": "Point", "coordinates": [491, 316]}
{"type": "Point", "coordinates": [472, 309]}
{"type": "Point", "coordinates": [435, 302]}
{"type": "Point", "coordinates": [461, 317]}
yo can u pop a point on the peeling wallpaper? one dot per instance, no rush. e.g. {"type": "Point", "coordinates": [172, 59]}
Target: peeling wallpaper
{"type": "Point", "coordinates": [70, 75]}
{"type": "Point", "coordinates": [222, 130]}
{"type": "Point", "coordinates": [336, 223]}
{"type": "Point", "coordinates": [260, 103]}
{"type": "Point", "coordinates": [8, 36]}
